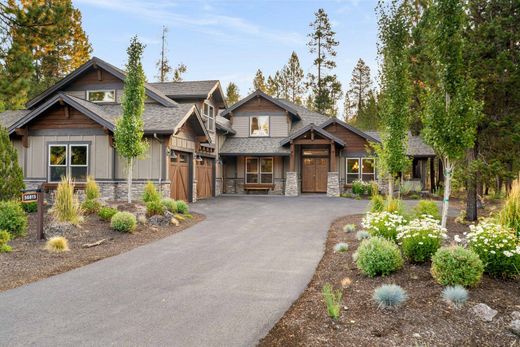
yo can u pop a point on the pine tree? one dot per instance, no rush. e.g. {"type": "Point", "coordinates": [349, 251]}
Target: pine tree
{"type": "Point", "coordinates": [293, 76]}
{"type": "Point", "coordinates": [368, 116]}
{"type": "Point", "coordinates": [395, 84]}
{"type": "Point", "coordinates": [232, 94]}
{"type": "Point", "coordinates": [272, 87]}
{"type": "Point", "coordinates": [359, 86]}
{"type": "Point", "coordinates": [451, 112]}
{"type": "Point", "coordinates": [129, 131]}
{"type": "Point", "coordinates": [163, 64]}
{"type": "Point", "coordinates": [259, 81]}
{"type": "Point", "coordinates": [322, 42]}
{"type": "Point", "coordinates": [178, 72]}
{"type": "Point", "coordinates": [11, 173]}
{"type": "Point", "coordinates": [348, 115]}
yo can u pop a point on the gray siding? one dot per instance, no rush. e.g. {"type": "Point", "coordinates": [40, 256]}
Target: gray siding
{"type": "Point", "coordinates": [147, 168]}
{"type": "Point", "coordinates": [278, 127]}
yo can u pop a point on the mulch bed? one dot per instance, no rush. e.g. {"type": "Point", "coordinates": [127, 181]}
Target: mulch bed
{"type": "Point", "coordinates": [29, 261]}
{"type": "Point", "coordinates": [424, 319]}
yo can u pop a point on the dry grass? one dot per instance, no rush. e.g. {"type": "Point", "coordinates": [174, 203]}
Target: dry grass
{"type": "Point", "coordinates": [57, 244]}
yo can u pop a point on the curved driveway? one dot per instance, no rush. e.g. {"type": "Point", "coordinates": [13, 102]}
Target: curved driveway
{"type": "Point", "coordinates": [224, 282]}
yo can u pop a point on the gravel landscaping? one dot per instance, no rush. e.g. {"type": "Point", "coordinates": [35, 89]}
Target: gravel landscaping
{"type": "Point", "coordinates": [29, 261]}
{"type": "Point", "coordinates": [424, 319]}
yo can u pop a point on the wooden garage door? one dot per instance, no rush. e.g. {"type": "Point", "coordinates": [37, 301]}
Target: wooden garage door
{"type": "Point", "coordinates": [180, 177]}
{"type": "Point", "coordinates": [205, 178]}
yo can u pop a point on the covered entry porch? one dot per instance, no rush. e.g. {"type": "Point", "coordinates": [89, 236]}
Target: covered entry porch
{"type": "Point", "coordinates": [313, 162]}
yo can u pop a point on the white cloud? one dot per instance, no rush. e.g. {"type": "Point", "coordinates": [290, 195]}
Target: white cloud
{"type": "Point", "coordinates": [221, 26]}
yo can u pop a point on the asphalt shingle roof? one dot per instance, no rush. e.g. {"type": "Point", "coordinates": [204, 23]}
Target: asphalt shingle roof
{"type": "Point", "coordinates": [307, 116]}
{"type": "Point", "coordinates": [252, 145]}
{"type": "Point", "coordinates": [8, 118]}
{"type": "Point", "coordinates": [185, 88]}
{"type": "Point", "coordinates": [416, 145]}
{"type": "Point", "coordinates": [224, 124]}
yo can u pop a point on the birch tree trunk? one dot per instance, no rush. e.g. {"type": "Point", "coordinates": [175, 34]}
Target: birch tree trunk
{"type": "Point", "coordinates": [129, 179]}
{"type": "Point", "coordinates": [448, 167]}
{"type": "Point", "coordinates": [390, 188]}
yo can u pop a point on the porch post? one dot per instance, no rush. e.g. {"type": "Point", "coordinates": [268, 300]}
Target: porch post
{"type": "Point", "coordinates": [333, 174]}
{"type": "Point", "coordinates": [432, 175]}
{"type": "Point", "coordinates": [291, 177]}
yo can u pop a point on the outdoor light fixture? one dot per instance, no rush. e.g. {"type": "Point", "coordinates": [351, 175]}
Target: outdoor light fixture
{"type": "Point", "coordinates": [198, 157]}
{"type": "Point", "coordinates": [172, 154]}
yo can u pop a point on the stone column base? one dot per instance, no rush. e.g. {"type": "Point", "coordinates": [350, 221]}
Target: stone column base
{"type": "Point", "coordinates": [291, 184]}
{"type": "Point", "coordinates": [333, 184]}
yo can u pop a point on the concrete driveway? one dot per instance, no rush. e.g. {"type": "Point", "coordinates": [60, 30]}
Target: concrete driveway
{"type": "Point", "coordinates": [224, 282]}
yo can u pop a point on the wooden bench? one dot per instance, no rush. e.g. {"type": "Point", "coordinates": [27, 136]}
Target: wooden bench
{"type": "Point", "coordinates": [258, 187]}
{"type": "Point", "coordinates": [52, 186]}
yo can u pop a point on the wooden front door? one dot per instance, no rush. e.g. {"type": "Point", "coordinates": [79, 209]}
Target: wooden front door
{"type": "Point", "coordinates": [314, 174]}
{"type": "Point", "coordinates": [205, 178]}
{"type": "Point", "coordinates": [180, 177]}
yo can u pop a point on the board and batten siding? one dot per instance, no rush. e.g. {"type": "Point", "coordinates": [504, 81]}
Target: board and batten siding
{"type": "Point", "coordinates": [146, 168]}
{"type": "Point", "coordinates": [36, 155]}
{"type": "Point", "coordinates": [278, 123]}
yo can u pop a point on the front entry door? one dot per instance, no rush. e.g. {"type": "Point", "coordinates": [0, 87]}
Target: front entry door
{"type": "Point", "coordinates": [314, 175]}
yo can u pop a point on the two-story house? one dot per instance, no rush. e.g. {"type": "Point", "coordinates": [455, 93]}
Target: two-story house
{"type": "Point", "coordinates": [197, 146]}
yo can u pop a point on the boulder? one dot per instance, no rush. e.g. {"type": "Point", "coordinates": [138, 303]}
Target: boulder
{"type": "Point", "coordinates": [484, 312]}
{"type": "Point", "coordinates": [175, 222]}
{"type": "Point", "coordinates": [58, 229]}
{"type": "Point", "coordinates": [514, 327]}
{"type": "Point", "coordinates": [515, 315]}
{"type": "Point", "coordinates": [159, 220]}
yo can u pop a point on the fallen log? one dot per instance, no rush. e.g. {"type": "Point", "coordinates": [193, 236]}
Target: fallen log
{"type": "Point", "coordinates": [94, 244]}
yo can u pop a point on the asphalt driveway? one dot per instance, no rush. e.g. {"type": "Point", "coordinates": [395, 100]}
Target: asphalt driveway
{"type": "Point", "coordinates": [224, 282]}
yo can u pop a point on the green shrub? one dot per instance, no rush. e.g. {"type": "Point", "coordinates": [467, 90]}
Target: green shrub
{"type": "Point", "coordinates": [389, 296]}
{"type": "Point", "coordinates": [377, 203]}
{"type": "Point", "coordinates": [349, 228]}
{"type": "Point", "coordinates": [91, 189]}
{"type": "Point", "coordinates": [150, 193]}
{"type": "Point", "coordinates": [57, 244]}
{"type": "Point", "coordinates": [5, 237]}
{"type": "Point", "coordinates": [378, 256]}
{"type": "Point", "coordinates": [394, 206]}
{"type": "Point", "coordinates": [154, 207]}
{"type": "Point", "coordinates": [383, 224]}
{"type": "Point", "coordinates": [30, 207]}
{"type": "Point", "coordinates": [361, 188]}
{"type": "Point", "coordinates": [66, 204]}
{"type": "Point", "coordinates": [90, 206]}
{"type": "Point", "coordinates": [456, 265]}
{"type": "Point", "coordinates": [497, 247]}
{"type": "Point", "coordinates": [12, 218]}
{"type": "Point", "coordinates": [106, 213]}
{"type": "Point", "coordinates": [455, 295]}
{"type": "Point", "coordinates": [420, 239]}
{"type": "Point", "coordinates": [123, 221]}
{"type": "Point", "coordinates": [340, 247]}
{"type": "Point", "coordinates": [332, 300]}
{"type": "Point", "coordinates": [427, 207]}
{"type": "Point", "coordinates": [408, 187]}
{"type": "Point", "coordinates": [509, 216]}
{"type": "Point", "coordinates": [362, 234]}
{"type": "Point", "coordinates": [182, 207]}
{"type": "Point", "coordinates": [169, 204]}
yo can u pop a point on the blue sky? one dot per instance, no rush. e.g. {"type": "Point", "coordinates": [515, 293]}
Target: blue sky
{"type": "Point", "coordinates": [229, 40]}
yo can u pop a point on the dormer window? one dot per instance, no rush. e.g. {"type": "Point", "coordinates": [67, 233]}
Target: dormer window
{"type": "Point", "coordinates": [209, 116]}
{"type": "Point", "coordinates": [259, 126]}
{"type": "Point", "coordinates": [101, 95]}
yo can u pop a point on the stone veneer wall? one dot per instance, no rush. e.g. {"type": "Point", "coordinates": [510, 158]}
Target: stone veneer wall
{"type": "Point", "coordinates": [333, 188]}
{"type": "Point", "coordinates": [218, 186]}
{"type": "Point", "coordinates": [111, 190]}
{"type": "Point", "coordinates": [291, 184]}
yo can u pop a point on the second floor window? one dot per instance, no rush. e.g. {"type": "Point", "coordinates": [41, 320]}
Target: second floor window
{"type": "Point", "coordinates": [101, 95]}
{"type": "Point", "coordinates": [209, 115]}
{"type": "Point", "coordinates": [259, 126]}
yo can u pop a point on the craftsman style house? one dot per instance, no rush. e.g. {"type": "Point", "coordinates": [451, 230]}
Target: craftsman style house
{"type": "Point", "coordinates": [198, 147]}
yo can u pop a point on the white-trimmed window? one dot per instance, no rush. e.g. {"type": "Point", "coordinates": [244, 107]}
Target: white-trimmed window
{"type": "Point", "coordinates": [209, 115]}
{"type": "Point", "coordinates": [363, 169]}
{"type": "Point", "coordinates": [259, 126]}
{"type": "Point", "coordinates": [259, 170]}
{"type": "Point", "coordinates": [68, 160]}
{"type": "Point", "coordinates": [101, 95]}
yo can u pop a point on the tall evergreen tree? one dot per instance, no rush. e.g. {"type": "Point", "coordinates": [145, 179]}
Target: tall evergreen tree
{"type": "Point", "coordinates": [232, 94]}
{"type": "Point", "coordinates": [259, 81]}
{"type": "Point", "coordinates": [11, 173]}
{"type": "Point", "coordinates": [451, 112]}
{"type": "Point", "coordinates": [360, 85]}
{"type": "Point", "coordinates": [348, 115]}
{"type": "Point", "coordinates": [129, 131]}
{"type": "Point", "coordinates": [178, 72]}
{"type": "Point", "coordinates": [293, 76]}
{"type": "Point", "coordinates": [368, 116]}
{"type": "Point", "coordinates": [395, 85]}
{"type": "Point", "coordinates": [163, 64]}
{"type": "Point", "coordinates": [322, 42]}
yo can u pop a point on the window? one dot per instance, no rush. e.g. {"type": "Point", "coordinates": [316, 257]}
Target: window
{"type": "Point", "coordinates": [259, 170]}
{"type": "Point", "coordinates": [209, 115]}
{"type": "Point", "coordinates": [259, 126]}
{"type": "Point", "coordinates": [101, 95]}
{"type": "Point", "coordinates": [68, 160]}
{"type": "Point", "coordinates": [361, 169]}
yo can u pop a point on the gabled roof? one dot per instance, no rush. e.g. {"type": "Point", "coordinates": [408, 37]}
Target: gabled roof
{"type": "Point", "coordinates": [416, 146]}
{"type": "Point", "coordinates": [259, 93]}
{"type": "Point", "coordinates": [312, 127]}
{"type": "Point", "coordinates": [91, 111]}
{"type": "Point", "coordinates": [151, 92]}
{"type": "Point", "coordinates": [254, 146]}
{"type": "Point", "coordinates": [349, 127]}
{"type": "Point", "coordinates": [224, 124]}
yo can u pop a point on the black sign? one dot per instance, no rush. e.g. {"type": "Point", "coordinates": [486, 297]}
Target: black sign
{"type": "Point", "coordinates": [29, 197]}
